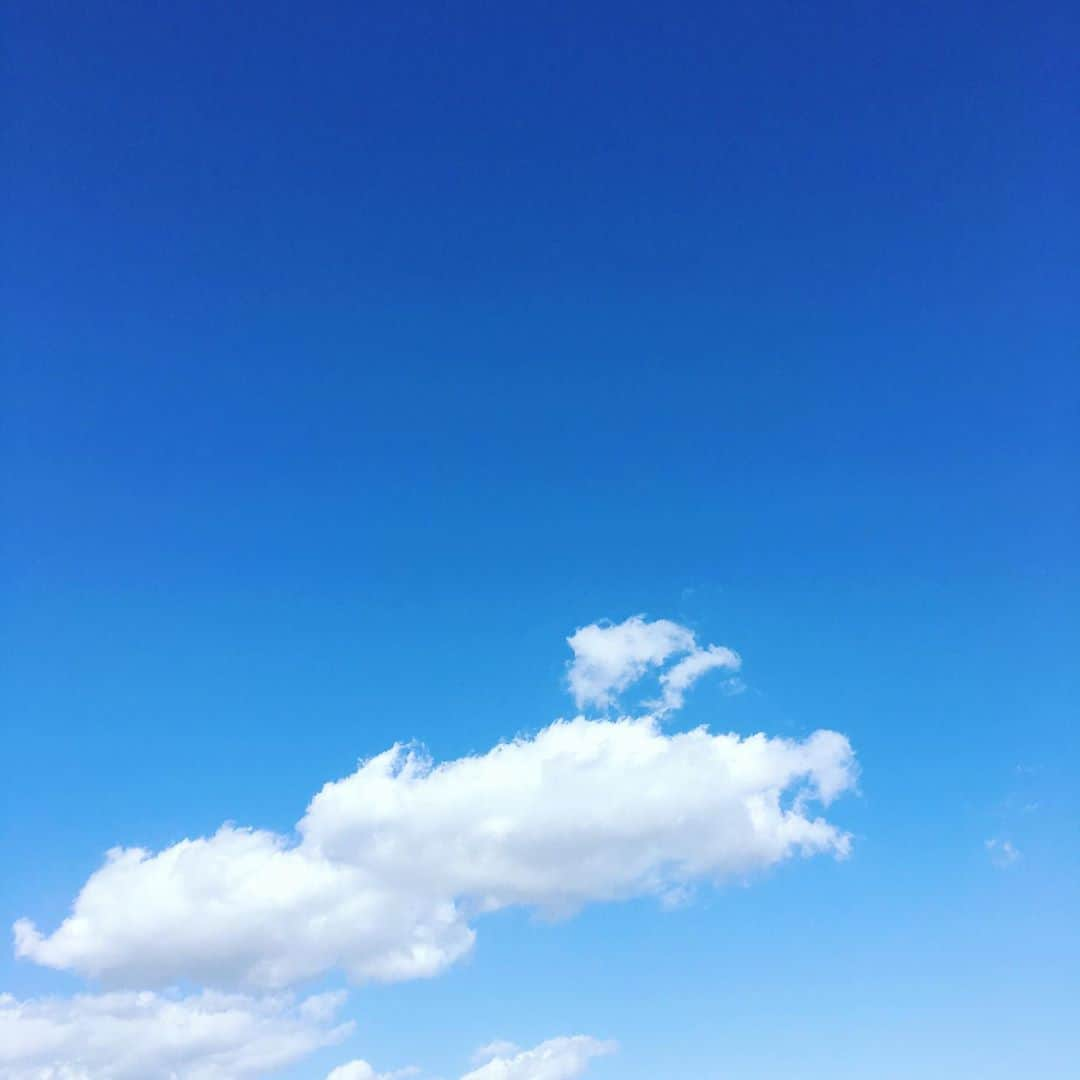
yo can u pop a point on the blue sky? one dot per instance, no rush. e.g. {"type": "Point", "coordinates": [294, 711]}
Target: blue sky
{"type": "Point", "coordinates": [357, 355]}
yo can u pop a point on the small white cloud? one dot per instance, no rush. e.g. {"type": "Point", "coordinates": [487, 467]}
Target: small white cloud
{"type": "Point", "coordinates": [132, 1036]}
{"type": "Point", "coordinates": [361, 1070]}
{"type": "Point", "coordinates": [609, 657]}
{"type": "Point", "coordinates": [562, 1058]}
{"type": "Point", "coordinates": [353, 1070]}
{"type": "Point", "coordinates": [557, 1059]}
{"type": "Point", "coordinates": [1002, 852]}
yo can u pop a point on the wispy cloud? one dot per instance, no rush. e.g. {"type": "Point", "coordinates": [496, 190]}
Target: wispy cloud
{"type": "Point", "coordinates": [1003, 853]}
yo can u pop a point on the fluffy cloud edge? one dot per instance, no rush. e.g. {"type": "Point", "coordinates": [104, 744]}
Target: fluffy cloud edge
{"type": "Point", "coordinates": [393, 860]}
{"type": "Point", "coordinates": [609, 657]}
{"type": "Point", "coordinates": [390, 865]}
{"type": "Point", "coordinates": [563, 1058]}
{"type": "Point", "coordinates": [131, 1035]}
{"type": "Point", "coordinates": [358, 1069]}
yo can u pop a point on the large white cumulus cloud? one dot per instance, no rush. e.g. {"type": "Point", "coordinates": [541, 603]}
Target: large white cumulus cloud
{"type": "Point", "coordinates": [393, 861]}
{"type": "Point", "coordinates": [390, 867]}
{"type": "Point", "coordinates": [586, 810]}
{"type": "Point", "coordinates": [132, 1036]}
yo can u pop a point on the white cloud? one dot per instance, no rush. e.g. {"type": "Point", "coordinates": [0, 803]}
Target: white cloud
{"type": "Point", "coordinates": [498, 1048]}
{"type": "Point", "coordinates": [1003, 853]}
{"type": "Point", "coordinates": [244, 907]}
{"type": "Point", "coordinates": [361, 1070]}
{"type": "Point", "coordinates": [563, 1058]}
{"type": "Point", "coordinates": [557, 1059]}
{"type": "Point", "coordinates": [392, 861]}
{"type": "Point", "coordinates": [131, 1036]}
{"type": "Point", "coordinates": [353, 1070]}
{"type": "Point", "coordinates": [681, 676]}
{"type": "Point", "coordinates": [608, 658]}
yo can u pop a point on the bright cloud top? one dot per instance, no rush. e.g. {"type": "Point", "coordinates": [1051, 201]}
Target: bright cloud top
{"type": "Point", "coordinates": [131, 1036]}
{"type": "Point", "coordinates": [393, 861]}
{"type": "Point", "coordinates": [564, 1058]}
{"type": "Point", "coordinates": [557, 1059]}
{"type": "Point", "coordinates": [608, 658]}
{"type": "Point", "coordinates": [361, 1070]}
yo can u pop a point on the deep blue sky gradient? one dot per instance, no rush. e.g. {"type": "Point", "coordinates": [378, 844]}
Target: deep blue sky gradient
{"type": "Point", "coordinates": [354, 354]}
